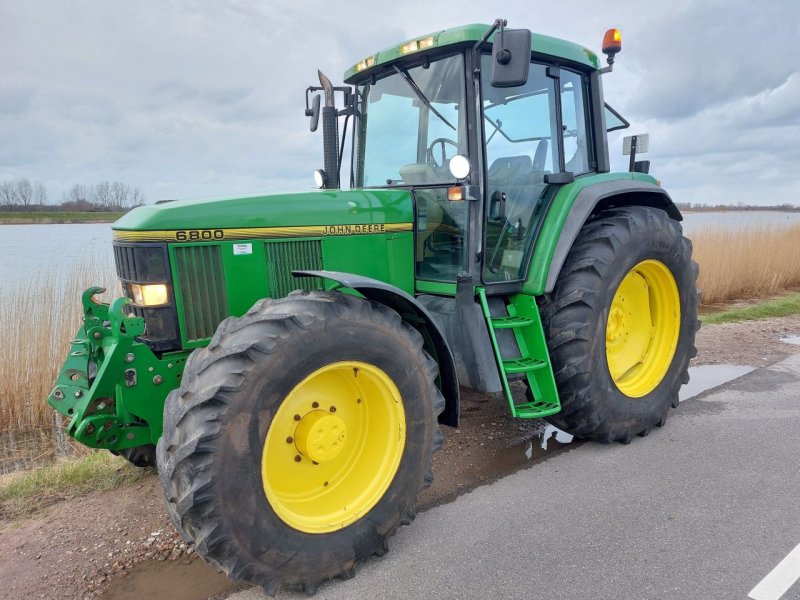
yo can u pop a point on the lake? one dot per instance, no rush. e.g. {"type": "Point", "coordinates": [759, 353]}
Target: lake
{"type": "Point", "coordinates": [49, 252]}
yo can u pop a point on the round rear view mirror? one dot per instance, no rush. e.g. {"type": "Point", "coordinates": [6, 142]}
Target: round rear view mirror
{"type": "Point", "coordinates": [460, 166]}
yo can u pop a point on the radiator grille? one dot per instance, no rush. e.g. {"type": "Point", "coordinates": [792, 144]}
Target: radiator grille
{"type": "Point", "coordinates": [202, 287]}
{"type": "Point", "coordinates": [285, 257]}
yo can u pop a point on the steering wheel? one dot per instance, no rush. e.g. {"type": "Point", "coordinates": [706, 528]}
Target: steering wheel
{"type": "Point", "coordinates": [443, 142]}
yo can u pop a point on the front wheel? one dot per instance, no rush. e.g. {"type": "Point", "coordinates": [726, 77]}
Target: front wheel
{"type": "Point", "coordinates": [621, 324]}
{"type": "Point", "coordinates": [300, 438]}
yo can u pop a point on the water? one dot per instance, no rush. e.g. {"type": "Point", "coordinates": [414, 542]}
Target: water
{"type": "Point", "coordinates": [707, 377]}
{"type": "Point", "coordinates": [30, 249]}
{"type": "Point", "coordinates": [31, 252]}
{"type": "Point", "coordinates": [738, 220]}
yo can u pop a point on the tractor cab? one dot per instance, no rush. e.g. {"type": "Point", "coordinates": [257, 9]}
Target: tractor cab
{"type": "Point", "coordinates": [482, 152]}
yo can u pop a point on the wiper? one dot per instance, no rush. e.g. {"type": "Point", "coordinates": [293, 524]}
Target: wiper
{"type": "Point", "coordinates": [415, 88]}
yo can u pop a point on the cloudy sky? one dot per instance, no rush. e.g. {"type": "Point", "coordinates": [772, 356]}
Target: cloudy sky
{"type": "Point", "coordinates": [190, 99]}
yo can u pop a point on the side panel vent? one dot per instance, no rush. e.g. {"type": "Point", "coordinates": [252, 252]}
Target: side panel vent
{"type": "Point", "coordinates": [285, 257]}
{"type": "Point", "coordinates": [202, 285]}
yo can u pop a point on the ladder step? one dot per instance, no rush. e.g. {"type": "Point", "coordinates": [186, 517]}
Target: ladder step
{"type": "Point", "coordinates": [522, 365]}
{"type": "Point", "coordinates": [510, 322]}
{"type": "Point", "coordinates": [536, 410]}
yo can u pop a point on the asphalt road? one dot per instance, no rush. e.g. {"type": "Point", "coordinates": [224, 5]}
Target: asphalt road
{"type": "Point", "coordinates": [704, 508]}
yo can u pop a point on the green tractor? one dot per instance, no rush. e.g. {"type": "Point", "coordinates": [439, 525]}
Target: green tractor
{"type": "Point", "coordinates": [286, 360]}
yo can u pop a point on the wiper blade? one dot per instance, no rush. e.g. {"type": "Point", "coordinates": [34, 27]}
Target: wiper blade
{"type": "Point", "coordinates": [415, 88]}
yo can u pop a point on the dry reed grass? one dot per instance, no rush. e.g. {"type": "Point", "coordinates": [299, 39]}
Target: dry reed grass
{"type": "Point", "coordinates": [38, 318]}
{"type": "Point", "coordinates": [746, 263]}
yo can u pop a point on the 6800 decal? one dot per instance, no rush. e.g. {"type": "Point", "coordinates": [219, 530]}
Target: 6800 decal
{"type": "Point", "coordinates": [199, 235]}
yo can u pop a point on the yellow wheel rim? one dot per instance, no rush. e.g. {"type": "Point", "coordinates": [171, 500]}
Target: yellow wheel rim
{"type": "Point", "coordinates": [333, 447]}
{"type": "Point", "coordinates": [642, 328]}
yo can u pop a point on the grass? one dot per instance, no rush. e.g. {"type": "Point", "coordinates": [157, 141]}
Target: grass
{"type": "Point", "coordinates": [779, 307]}
{"type": "Point", "coordinates": [27, 218]}
{"type": "Point", "coordinates": [754, 262]}
{"type": "Point", "coordinates": [25, 492]}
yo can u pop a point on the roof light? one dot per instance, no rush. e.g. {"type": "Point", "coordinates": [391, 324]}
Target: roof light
{"type": "Point", "coordinates": [409, 47]}
{"type": "Point", "coordinates": [426, 42]}
{"type": "Point", "coordinates": [365, 64]}
{"type": "Point", "coordinates": [420, 44]}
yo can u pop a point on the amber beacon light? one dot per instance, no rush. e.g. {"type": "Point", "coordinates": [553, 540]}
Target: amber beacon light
{"type": "Point", "coordinates": [612, 43]}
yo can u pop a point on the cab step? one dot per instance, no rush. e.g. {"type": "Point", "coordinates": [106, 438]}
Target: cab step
{"type": "Point", "coordinates": [524, 322]}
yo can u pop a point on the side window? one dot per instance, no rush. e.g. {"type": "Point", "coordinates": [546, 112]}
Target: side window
{"type": "Point", "coordinates": [521, 134]}
{"type": "Point", "coordinates": [573, 115]}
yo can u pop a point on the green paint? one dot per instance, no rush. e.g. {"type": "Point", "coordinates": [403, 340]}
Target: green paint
{"type": "Point", "coordinates": [524, 321]}
{"type": "Point", "coordinates": [323, 207]}
{"type": "Point", "coordinates": [545, 244]}
{"type": "Point", "coordinates": [464, 34]}
{"type": "Point", "coordinates": [122, 406]}
{"type": "Point", "coordinates": [436, 287]}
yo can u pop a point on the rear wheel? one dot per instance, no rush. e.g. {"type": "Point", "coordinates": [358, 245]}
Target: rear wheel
{"type": "Point", "coordinates": [621, 323]}
{"type": "Point", "coordinates": [300, 438]}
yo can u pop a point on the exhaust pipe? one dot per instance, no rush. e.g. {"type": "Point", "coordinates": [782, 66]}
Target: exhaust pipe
{"type": "Point", "coordinates": [330, 134]}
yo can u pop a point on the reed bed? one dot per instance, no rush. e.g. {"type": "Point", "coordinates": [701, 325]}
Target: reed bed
{"type": "Point", "coordinates": [746, 263]}
{"type": "Point", "coordinates": [38, 318]}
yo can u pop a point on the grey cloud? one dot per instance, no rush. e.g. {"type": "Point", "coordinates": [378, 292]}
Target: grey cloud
{"type": "Point", "coordinates": [707, 53]}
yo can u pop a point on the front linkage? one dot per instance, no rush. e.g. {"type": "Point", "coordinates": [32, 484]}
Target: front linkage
{"type": "Point", "coordinates": [112, 387]}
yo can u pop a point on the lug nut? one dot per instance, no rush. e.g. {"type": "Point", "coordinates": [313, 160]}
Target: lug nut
{"type": "Point", "coordinates": [315, 405]}
{"type": "Point", "coordinates": [297, 417]}
{"type": "Point", "coordinates": [297, 458]}
{"type": "Point", "coordinates": [333, 409]}
{"type": "Point", "coordinates": [158, 379]}
{"type": "Point", "coordinates": [289, 440]}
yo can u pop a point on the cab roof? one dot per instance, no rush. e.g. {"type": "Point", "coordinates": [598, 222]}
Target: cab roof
{"type": "Point", "coordinates": [541, 44]}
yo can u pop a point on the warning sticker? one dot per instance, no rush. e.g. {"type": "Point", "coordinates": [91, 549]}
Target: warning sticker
{"type": "Point", "coordinates": [242, 249]}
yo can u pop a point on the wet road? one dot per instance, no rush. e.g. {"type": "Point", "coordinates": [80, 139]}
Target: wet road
{"type": "Point", "coordinates": [706, 507]}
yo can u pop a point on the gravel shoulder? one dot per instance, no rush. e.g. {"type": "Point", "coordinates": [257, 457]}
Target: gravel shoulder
{"type": "Point", "coordinates": [120, 544]}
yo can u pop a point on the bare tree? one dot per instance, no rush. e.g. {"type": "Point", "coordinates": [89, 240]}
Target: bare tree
{"type": "Point", "coordinates": [102, 194]}
{"type": "Point", "coordinates": [7, 194]}
{"type": "Point", "coordinates": [39, 193]}
{"type": "Point", "coordinates": [24, 191]}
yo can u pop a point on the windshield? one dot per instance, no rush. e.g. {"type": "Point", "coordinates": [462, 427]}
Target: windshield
{"type": "Point", "coordinates": [410, 124]}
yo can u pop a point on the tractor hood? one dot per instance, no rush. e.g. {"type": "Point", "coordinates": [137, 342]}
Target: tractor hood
{"type": "Point", "coordinates": [317, 208]}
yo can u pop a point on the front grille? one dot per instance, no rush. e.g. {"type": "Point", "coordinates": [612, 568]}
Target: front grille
{"type": "Point", "coordinates": [202, 286]}
{"type": "Point", "coordinates": [142, 263]}
{"type": "Point", "coordinates": [285, 257]}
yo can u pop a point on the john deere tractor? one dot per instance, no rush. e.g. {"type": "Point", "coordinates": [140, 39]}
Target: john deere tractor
{"type": "Point", "coordinates": [286, 360]}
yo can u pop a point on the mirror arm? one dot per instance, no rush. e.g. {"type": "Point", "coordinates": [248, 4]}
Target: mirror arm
{"type": "Point", "coordinates": [498, 23]}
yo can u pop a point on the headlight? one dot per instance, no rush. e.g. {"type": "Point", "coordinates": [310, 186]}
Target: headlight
{"type": "Point", "coordinates": [151, 294]}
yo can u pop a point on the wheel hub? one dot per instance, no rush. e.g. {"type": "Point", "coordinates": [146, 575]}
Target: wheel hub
{"type": "Point", "coordinates": [642, 328]}
{"type": "Point", "coordinates": [320, 436]}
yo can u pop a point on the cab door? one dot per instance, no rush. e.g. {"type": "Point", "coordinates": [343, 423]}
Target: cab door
{"type": "Point", "coordinates": [531, 132]}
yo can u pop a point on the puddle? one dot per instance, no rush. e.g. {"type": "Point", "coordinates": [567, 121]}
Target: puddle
{"type": "Point", "coordinates": [175, 580]}
{"type": "Point", "coordinates": [541, 441]}
{"type": "Point", "coordinates": [791, 339]}
{"type": "Point", "coordinates": [706, 377]}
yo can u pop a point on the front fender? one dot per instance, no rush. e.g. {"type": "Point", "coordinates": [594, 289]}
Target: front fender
{"type": "Point", "coordinates": [416, 315]}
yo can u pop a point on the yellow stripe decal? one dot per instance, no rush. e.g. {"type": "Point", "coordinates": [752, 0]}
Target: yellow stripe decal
{"type": "Point", "coordinates": [249, 233]}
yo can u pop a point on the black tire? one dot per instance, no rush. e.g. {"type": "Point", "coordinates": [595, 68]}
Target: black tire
{"type": "Point", "coordinates": [215, 424]}
{"type": "Point", "coordinates": [575, 314]}
{"type": "Point", "coordinates": [141, 456]}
